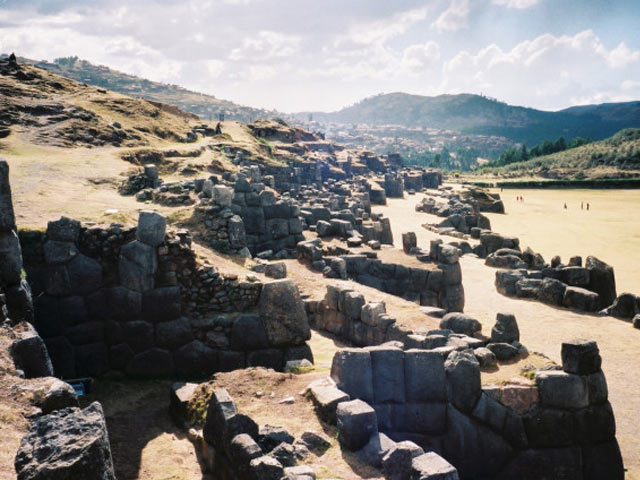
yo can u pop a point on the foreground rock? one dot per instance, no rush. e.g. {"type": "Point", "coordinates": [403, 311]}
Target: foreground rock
{"type": "Point", "coordinates": [67, 444]}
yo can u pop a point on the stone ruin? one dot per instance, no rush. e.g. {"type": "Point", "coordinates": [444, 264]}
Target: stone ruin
{"type": "Point", "coordinates": [17, 294]}
{"type": "Point", "coordinates": [135, 301]}
{"type": "Point", "coordinates": [392, 404]}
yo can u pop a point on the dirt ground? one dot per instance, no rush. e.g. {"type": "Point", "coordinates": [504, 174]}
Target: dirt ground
{"type": "Point", "coordinates": [544, 328]}
{"type": "Point", "coordinates": [145, 443]}
{"type": "Point", "coordinates": [259, 392]}
{"type": "Point", "coordinates": [610, 229]}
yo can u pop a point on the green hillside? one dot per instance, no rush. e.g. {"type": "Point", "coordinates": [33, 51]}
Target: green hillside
{"type": "Point", "coordinates": [615, 157]}
{"type": "Point", "coordinates": [475, 114]}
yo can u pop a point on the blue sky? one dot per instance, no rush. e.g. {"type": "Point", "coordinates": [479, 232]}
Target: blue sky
{"type": "Point", "coordinates": [296, 55]}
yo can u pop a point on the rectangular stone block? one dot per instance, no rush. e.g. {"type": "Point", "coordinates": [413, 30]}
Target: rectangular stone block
{"type": "Point", "coordinates": [352, 371]}
{"type": "Point", "coordinates": [424, 374]}
{"type": "Point", "coordinates": [562, 390]}
{"type": "Point", "coordinates": [388, 374]}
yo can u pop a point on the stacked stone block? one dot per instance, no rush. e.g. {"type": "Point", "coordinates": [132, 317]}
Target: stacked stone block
{"type": "Point", "coordinates": [566, 430]}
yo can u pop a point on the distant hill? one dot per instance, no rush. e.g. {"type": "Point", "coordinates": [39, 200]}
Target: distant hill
{"type": "Point", "coordinates": [206, 107]}
{"type": "Point", "coordinates": [614, 157]}
{"type": "Point", "coordinates": [475, 114]}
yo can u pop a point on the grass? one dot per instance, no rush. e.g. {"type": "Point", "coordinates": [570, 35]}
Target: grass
{"type": "Point", "coordinates": [613, 158]}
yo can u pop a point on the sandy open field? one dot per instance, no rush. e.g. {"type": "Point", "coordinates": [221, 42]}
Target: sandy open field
{"type": "Point", "coordinates": [544, 328]}
{"type": "Point", "coordinates": [610, 229]}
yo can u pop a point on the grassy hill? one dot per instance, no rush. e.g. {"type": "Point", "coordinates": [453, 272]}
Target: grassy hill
{"type": "Point", "coordinates": [206, 107]}
{"type": "Point", "coordinates": [614, 157]}
{"type": "Point", "coordinates": [474, 114]}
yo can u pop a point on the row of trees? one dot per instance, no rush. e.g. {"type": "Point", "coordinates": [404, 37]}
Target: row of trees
{"type": "Point", "coordinates": [522, 154]}
{"type": "Point", "coordinates": [463, 159]}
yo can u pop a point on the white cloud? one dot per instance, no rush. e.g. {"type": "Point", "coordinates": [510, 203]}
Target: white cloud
{"type": "Point", "coordinates": [546, 71]}
{"type": "Point", "coordinates": [266, 45]}
{"type": "Point", "coordinates": [519, 4]}
{"type": "Point", "coordinates": [621, 56]}
{"type": "Point", "coordinates": [417, 57]}
{"type": "Point", "coordinates": [383, 30]}
{"type": "Point", "coordinates": [454, 17]}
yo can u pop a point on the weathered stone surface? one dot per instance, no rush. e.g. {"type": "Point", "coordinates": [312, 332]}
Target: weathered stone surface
{"type": "Point", "coordinates": [66, 444]}
{"type": "Point", "coordinates": [137, 266]}
{"type": "Point", "coordinates": [580, 299]}
{"type": "Point", "coordinates": [424, 376]}
{"type": "Point", "coordinates": [180, 394]}
{"type": "Point", "coordinates": [221, 408]}
{"type": "Point", "coordinates": [30, 354]}
{"type": "Point", "coordinates": [153, 363]}
{"type": "Point", "coordinates": [356, 422]}
{"type": "Point", "coordinates": [601, 280]}
{"type": "Point", "coordinates": [242, 450]}
{"type": "Point", "coordinates": [375, 450]}
{"type": "Point", "coordinates": [506, 281]}
{"type": "Point", "coordinates": [59, 252]}
{"type": "Point", "coordinates": [486, 358]}
{"type": "Point", "coordinates": [463, 380]}
{"type": "Point", "coordinates": [283, 314]}
{"type": "Point", "coordinates": [10, 258]}
{"type": "Point", "coordinates": [269, 437]}
{"type": "Point", "coordinates": [285, 454]}
{"type": "Point", "coordinates": [476, 451]}
{"type": "Point", "coordinates": [506, 329]}
{"type": "Point", "coordinates": [174, 333]}
{"type": "Point", "coordinates": [195, 359]}
{"type": "Point", "coordinates": [248, 333]}
{"type": "Point", "coordinates": [276, 270]}
{"type": "Point", "coordinates": [551, 291]}
{"type": "Point", "coordinates": [151, 228]}
{"type": "Point", "coordinates": [139, 335]}
{"type": "Point", "coordinates": [551, 463]}
{"type": "Point", "coordinates": [581, 357]}
{"type": "Point", "coordinates": [562, 390]}
{"type": "Point", "coordinates": [161, 304]}
{"type": "Point", "coordinates": [92, 360]}
{"type": "Point", "coordinates": [265, 468]}
{"type": "Point", "coordinates": [124, 304]}
{"type": "Point", "coordinates": [352, 371]}
{"type": "Point", "coordinates": [397, 462]}
{"type": "Point", "coordinates": [64, 230]}
{"type": "Point", "coordinates": [409, 241]}
{"type": "Point", "coordinates": [431, 466]}
{"type": "Point", "coordinates": [602, 461]}
{"type": "Point", "coordinates": [85, 274]}
{"type": "Point", "coordinates": [326, 399]}
{"type": "Point", "coordinates": [388, 374]}
{"type": "Point", "coordinates": [460, 323]}
{"type": "Point", "coordinates": [58, 395]}
{"type": "Point", "coordinates": [503, 351]}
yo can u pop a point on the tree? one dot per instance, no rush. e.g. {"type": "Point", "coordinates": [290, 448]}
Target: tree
{"type": "Point", "coordinates": [524, 155]}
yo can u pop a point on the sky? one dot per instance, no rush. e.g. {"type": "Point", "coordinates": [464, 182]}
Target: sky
{"type": "Point", "coordinates": [322, 55]}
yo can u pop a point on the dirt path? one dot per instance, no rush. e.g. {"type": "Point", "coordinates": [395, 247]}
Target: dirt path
{"type": "Point", "coordinates": [544, 328]}
{"type": "Point", "coordinates": [145, 443]}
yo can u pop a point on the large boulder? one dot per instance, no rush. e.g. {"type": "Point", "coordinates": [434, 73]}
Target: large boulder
{"type": "Point", "coordinates": [352, 371]}
{"type": "Point", "coordinates": [431, 466]}
{"type": "Point", "coordinates": [357, 422]}
{"type": "Point", "coordinates": [552, 291]}
{"type": "Point", "coordinates": [506, 329]}
{"type": "Point", "coordinates": [460, 323]}
{"type": "Point", "coordinates": [283, 314]}
{"type": "Point", "coordinates": [151, 228]}
{"type": "Point", "coordinates": [137, 266]}
{"type": "Point", "coordinates": [463, 379]}
{"type": "Point", "coordinates": [602, 280]}
{"type": "Point", "coordinates": [580, 299]}
{"type": "Point", "coordinates": [30, 354]}
{"type": "Point", "coordinates": [66, 444]}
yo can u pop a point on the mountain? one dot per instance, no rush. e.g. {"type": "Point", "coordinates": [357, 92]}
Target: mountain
{"type": "Point", "coordinates": [475, 114]}
{"type": "Point", "coordinates": [206, 107]}
{"type": "Point", "coordinates": [615, 157]}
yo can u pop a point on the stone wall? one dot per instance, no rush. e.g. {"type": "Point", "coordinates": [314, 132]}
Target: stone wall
{"type": "Point", "coordinates": [134, 300]}
{"type": "Point", "coordinates": [561, 426]}
{"type": "Point", "coordinates": [16, 292]}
